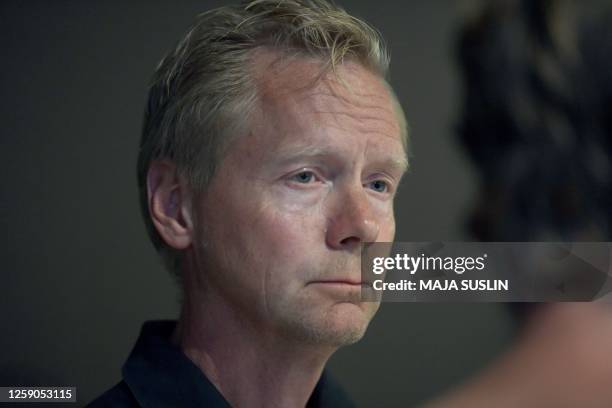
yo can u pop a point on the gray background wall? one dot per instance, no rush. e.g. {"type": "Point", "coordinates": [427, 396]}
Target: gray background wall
{"type": "Point", "coordinates": [78, 274]}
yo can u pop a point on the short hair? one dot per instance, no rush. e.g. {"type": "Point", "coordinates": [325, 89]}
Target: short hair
{"type": "Point", "coordinates": [203, 90]}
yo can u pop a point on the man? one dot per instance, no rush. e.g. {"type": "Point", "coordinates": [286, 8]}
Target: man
{"type": "Point", "coordinates": [272, 148]}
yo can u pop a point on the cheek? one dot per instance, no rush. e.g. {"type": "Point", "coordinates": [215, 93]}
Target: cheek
{"type": "Point", "coordinates": [264, 234]}
{"type": "Point", "coordinates": [295, 220]}
{"type": "Point", "coordinates": [387, 227]}
{"type": "Point", "coordinates": [287, 236]}
{"type": "Point", "coordinates": [290, 248]}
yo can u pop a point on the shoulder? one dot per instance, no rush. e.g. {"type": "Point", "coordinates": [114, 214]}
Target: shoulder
{"type": "Point", "coordinates": [119, 396]}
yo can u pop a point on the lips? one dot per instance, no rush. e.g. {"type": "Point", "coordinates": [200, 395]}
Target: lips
{"type": "Point", "coordinates": [340, 282]}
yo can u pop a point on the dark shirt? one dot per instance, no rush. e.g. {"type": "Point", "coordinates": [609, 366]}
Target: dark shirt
{"type": "Point", "coordinates": [158, 374]}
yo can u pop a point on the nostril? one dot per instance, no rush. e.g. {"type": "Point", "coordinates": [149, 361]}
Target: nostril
{"type": "Point", "coordinates": [350, 241]}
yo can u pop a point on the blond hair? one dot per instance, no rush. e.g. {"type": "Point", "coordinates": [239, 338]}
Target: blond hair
{"type": "Point", "coordinates": [203, 89]}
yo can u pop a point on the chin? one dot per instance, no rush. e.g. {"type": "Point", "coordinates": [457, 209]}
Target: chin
{"type": "Point", "coordinates": [340, 325]}
{"type": "Point", "coordinates": [349, 322]}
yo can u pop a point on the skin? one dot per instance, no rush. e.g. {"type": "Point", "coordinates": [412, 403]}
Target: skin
{"type": "Point", "coordinates": [562, 359]}
{"type": "Point", "coordinates": [272, 248]}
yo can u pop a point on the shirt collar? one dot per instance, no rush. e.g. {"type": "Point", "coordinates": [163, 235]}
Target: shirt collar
{"type": "Point", "coordinates": [159, 374]}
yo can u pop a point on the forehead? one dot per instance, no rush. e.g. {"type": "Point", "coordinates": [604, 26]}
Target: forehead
{"type": "Point", "coordinates": [296, 96]}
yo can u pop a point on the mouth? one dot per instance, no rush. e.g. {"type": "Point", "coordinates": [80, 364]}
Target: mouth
{"type": "Point", "coordinates": [346, 283]}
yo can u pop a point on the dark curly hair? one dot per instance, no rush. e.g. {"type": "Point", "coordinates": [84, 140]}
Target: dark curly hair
{"type": "Point", "coordinates": [537, 119]}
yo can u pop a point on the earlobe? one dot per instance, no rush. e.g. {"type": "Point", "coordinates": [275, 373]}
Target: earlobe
{"type": "Point", "coordinates": [169, 204]}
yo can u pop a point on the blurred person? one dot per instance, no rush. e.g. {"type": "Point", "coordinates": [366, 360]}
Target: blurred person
{"type": "Point", "coordinates": [272, 148]}
{"type": "Point", "coordinates": [537, 123]}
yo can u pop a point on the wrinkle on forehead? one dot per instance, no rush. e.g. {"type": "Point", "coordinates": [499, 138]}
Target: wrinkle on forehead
{"type": "Point", "coordinates": [354, 98]}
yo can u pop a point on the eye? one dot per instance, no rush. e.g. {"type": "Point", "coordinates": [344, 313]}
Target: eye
{"type": "Point", "coordinates": [303, 177]}
{"type": "Point", "coordinates": [380, 186]}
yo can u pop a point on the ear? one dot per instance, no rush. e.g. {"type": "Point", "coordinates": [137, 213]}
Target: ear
{"type": "Point", "coordinates": [169, 204]}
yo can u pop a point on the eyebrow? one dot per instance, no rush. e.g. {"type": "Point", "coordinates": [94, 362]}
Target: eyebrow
{"type": "Point", "coordinates": [293, 152]}
{"type": "Point", "coordinates": [400, 163]}
{"type": "Point", "coordinates": [289, 154]}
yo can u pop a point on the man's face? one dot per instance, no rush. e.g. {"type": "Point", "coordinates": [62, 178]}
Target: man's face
{"type": "Point", "coordinates": [281, 224]}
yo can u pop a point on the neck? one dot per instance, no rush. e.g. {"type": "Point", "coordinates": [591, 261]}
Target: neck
{"type": "Point", "coordinates": [250, 366]}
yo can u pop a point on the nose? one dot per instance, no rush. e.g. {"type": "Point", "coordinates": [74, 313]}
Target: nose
{"type": "Point", "coordinates": [352, 221]}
